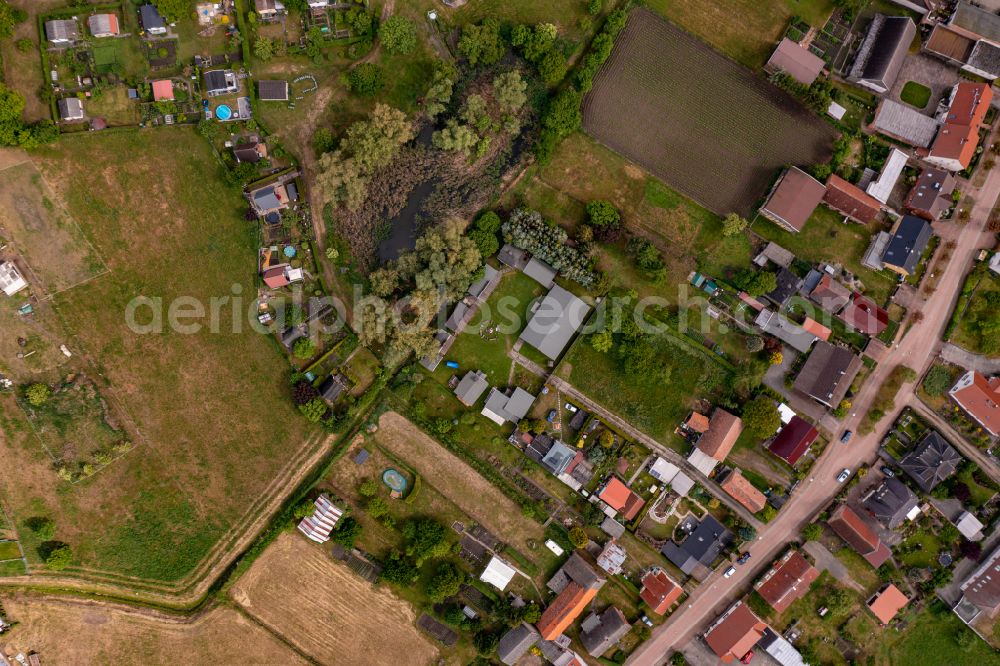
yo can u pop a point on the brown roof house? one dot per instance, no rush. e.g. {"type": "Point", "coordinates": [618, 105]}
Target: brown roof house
{"type": "Point", "coordinates": [659, 591]}
{"type": "Point", "coordinates": [793, 199]}
{"type": "Point", "coordinates": [744, 492]}
{"type": "Point", "coordinates": [850, 200]}
{"type": "Point", "coordinates": [828, 373]}
{"type": "Point", "coordinates": [795, 60]}
{"type": "Point", "coordinates": [980, 398]}
{"type": "Point", "coordinates": [713, 446]}
{"type": "Point", "coordinates": [788, 579]}
{"type": "Point", "coordinates": [931, 195]}
{"type": "Point", "coordinates": [830, 294]}
{"type": "Point", "coordinates": [793, 440]}
{"type": "Point", "coordinates": [851, 528]}
{"type": "Point", "coordinates": [887, 603]}
{"type": "Point", "coordinates": [735, 633]}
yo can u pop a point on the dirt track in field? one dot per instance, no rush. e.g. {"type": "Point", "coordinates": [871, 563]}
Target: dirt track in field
{"type": "Point", "coordinates": [326, 610]}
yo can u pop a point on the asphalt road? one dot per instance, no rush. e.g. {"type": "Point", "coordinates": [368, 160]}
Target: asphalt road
{"type": "Point", "coordinates": [916, 350]}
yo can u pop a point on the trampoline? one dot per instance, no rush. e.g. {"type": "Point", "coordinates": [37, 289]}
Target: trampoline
{"type": "Point", "coordinates": [272, 218]}
{"type": "Point", "coordinates": [223, 112]}
{"type": "Point", "coordinates": [290, 252]}
{"type": "Point", "coordinates": [394, 480]}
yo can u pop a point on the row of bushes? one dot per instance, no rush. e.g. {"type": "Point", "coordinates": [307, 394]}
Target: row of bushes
{"type": "Point", "coordinates": [563, 117]}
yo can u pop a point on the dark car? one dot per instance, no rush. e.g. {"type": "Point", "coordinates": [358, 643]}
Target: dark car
{"type": "Point", "coordinates": [743, 558]}
{"type": "Point", "coordinates": [846, 437]}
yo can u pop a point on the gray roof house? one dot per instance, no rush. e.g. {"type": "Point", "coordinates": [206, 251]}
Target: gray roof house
{"type": "Point", "coordinates": [558, 458]}
{"type": "Point", "coordinates": [513, 256]}
{"type": "Point", "coordinates": [933, 461]}
{"type": "Point", "coordinates": [272, 91]}
{"type": "Point", "coordinates": [61, 31]}
{"type": "Point", "coordinates": [978, 21]}
{"type": "Point", "coordinates": [984, 60]}
{"type": "Point", "coordinates": [483, 287]}
{"type": "Point", "coordinates": [890, 503]}
{"type": "Point", "coordinates": [575, 570]}
{"type": "Point", "coordinates": [220, 82]}
{"type": "Point", "coordinates": [787, 284]}
{"type": "Point", "coordinates": [70, 108]}
{"type": "Point", "coordinates": [907, 245]}
{"type": "Point", "coordinates": [471, 388]}
{"type": "Point", "coordinates": [151, 20]}
{"type": "Point", "coordinates": [785, 330]}
{"type": "Point", "coordinates": [882, 52]}
{"type": "Point", "coordinates": [701, 547]}
{"type": "Point", "coordinates": [516, 642]}
{"type": "Point", "coordinates": [556, 319]}
{"type": "Point", "coordinates": [501, 408]}
{"type": "Point", "coordinates": [599, 633]}
{"type": "Point", "coordinates": [828, 373]}
{"type": "Point", "coordinates": [333, 387]}
{"type": "Point", "coordinates": [904, 123]}
{"type": "Point", "coordinates": [540, 272]}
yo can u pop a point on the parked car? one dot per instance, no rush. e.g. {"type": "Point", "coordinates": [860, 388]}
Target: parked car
{"type": "Point", "coordinates": [843, 475]}
{"type": "Point", "coordinates": [743, 558]}
{"type": "Point", "coordinates": [572, 409]}
{"type": "Point", "coordinates": [646, 621]}
{"type": "Point", "coordinates": [747, 658]}
{"type": "Point", "coordinates": [846, 437]}
{"type": "Point", "coordinates": [551, 416]}
{"type": "Point", "coordinates": [729, 572]}
{"type": "Point", "coordinates": [888, 471]}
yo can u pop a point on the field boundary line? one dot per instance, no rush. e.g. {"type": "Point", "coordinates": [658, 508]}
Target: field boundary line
{"type": "Point", "coordinates": [13, 528]}
{"type": "Point", "coordinates": [238, 607]}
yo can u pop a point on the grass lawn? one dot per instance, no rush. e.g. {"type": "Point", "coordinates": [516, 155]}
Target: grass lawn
{"type": "Point", "coordinates": [209, 413]}
{"type": "Point", "coordinates": [926, 554]}
{"type": "Point", "coordinates": [125, 54]}
{"type": "Point", "coordinates": [751, 39]}
{"type": "Point", "coordinates": [12, 568]}
{"type": "Point", "coordinates": [652, 405]}
{"type": "Point", "coordinates": [967, 334]}
{"type": "Point", "coordinates": [826, 238]}
{"type": "Point", "coordinates": [860, 570]}
{"type": "Point", "coordinates": [9, 550]}
{"type": "Point", "coordinates": [915, 94]}
{"type": "Point", "coordinates": [361, 370]}
{"type": "Point", "coordinates": [115, 107]}
{"type": "Point", "coordinates": [980, 494]}
{"type": "Point", "coordinates": [932, 638]}
{"type": "Point", "coordinates": [507, 307]}
{"type": "Point", "coordinates": [820, 632]}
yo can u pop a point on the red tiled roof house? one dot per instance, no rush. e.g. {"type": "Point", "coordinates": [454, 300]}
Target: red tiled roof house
{"type": "Point", "coordinates": [621, 498]}
{"type": "Point", "coordinates": [851, 528]}
{"type": "Point", "coordinates": [744, 492]}
{"type": "Point", "coordinates": [659, 591]}
{"type": "Point", "coordinates": [794, 440]}
{"type": "Point", "coordinates": [850, 200]}
{"type": "Point", "coordinates": [980, 398]}
{"type": "Point", "coordinates": [735, 633]}
{"type": "Point", "coordinates": [787, 580]}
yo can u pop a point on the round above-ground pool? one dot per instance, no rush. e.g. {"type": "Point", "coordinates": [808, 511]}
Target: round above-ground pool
{"type": "Point", "coordinates": [223, 112]}
{"type": "Point", "coordinates": [290, 252]}
{"type": "Point", "coordinates": [394, 480]}
{"type": "Point", "coordinates": [272, 218]}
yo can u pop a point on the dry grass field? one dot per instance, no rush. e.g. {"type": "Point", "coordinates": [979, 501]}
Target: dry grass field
{"type": "Point", "coordinates": [327, 611]}
{"type": "Point", "coordinates": [703, 124]}
{"type": "Point", "coordinates": [68, 631]}
{"type": "Point", "coordinates": [209, 411]}
{"type": "Point", "coordinates": [454, 479]}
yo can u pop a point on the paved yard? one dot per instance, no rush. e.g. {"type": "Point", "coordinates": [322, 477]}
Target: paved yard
{"type": "Point", "coordinates": [963, 357]}
{"type": "Point", "coordinates": [931, 72]}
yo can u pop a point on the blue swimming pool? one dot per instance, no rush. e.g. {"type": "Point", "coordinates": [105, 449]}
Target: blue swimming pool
{"type": "Point", "coordinates": [223, 112]}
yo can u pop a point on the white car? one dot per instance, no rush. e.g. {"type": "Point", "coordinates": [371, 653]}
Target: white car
{"type": "Point", "coordinates": [729, 572]}
{"type": "Point", "coordinates": [843, 475]}
{"type": "Point", "coordinates": [572, 409]}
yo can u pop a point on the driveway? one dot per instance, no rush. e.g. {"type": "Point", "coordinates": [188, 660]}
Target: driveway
{"type": "Point", "coordinates": [931, 72]}
{"type": "Point", "coordinates": [970, 361]}
{"type": "Point", "coordinates": [827, 561]}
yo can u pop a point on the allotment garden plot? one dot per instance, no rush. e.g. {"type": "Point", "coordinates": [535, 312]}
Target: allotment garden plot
{"type": "Point", "coordinates": [43, 232]}
{"type": "Point", "coordinates": [703, 124]}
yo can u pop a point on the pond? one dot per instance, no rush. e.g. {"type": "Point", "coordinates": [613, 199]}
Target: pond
{"type": "Point", "coordinates": [403, 227]}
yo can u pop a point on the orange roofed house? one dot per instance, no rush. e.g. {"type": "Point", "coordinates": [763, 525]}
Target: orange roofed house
{"type": "Point", "coordinates": [787, 580]}
{"type": "Point", "coordinates": [741, 490]}
{"type": "Point", "coordinates": [735, 633]}
{"type": "Point", "coordinates": [621, 498]}
{"type": "Point", "coordinates": [859, 535]}
{"type": "Point", "coordinates": [850, 200]}
{"type": "Point", "coordinates": [980, 398]}
{"type": "Point", "coordinates": [576, 584]}
{"type": "Point", "coordinates": [887, 603]}
{"type": "Point", "coordinates": [659, 591]}
{"type": "Point", "coordinates": [956, 141]}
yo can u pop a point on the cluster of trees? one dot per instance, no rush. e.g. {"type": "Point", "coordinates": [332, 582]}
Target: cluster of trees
{"type": "Point", "coordinates": [10, 17]}
{"type": "Point", "coordinates": [398, 34]}
{"type": "Point", "coordinates": [538, 46]}
{"type": "Point", "coordinates": [366, 79]}
{"type": "Point", "coordinates": [484, 115]}
{"type": "Point", "coordinates": [733, 225]}
{"type": "Point", "coordinates": [37, 394]}
{"type": "Point", "coordinates": [483, 233]}
{"type": "Point", "coordinates": [367, 145]}
{"type": "Point", "coordinates": [310, 404]}
{"type": "Point", "coordinates": [816, 96]}
{"type": "Point", "coordinates": [14, 131]}
{"type": "Point", "coordinates": [424, 539]}
{"type": "Point", "coordinates": [604, 220]}
{"type": "Point", "coordinates": [756, 283]}
{"type": "Point", "coordinates": [482, 44]}
{"type": "Point", "coordinates": [634, 348]}
{"type": "Point", "coordinates": [173, 10]}
{"type": "Point", "coordinates": [528, 230]}
{"type": "Point", "coordinates": [983, 320]}
{"type": "Point", "coordinates": [599, 51]}
{"type": "Point", "coordinates": [648, 259]}
{"type": "Point", "coordinates": [438, 96]}
{"type": "Point", "coordinates": [440, 268]}
{"type": "Point", "coordinates": [761, 418]}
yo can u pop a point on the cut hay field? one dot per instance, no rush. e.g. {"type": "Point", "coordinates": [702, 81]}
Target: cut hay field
{"type": "Point", "coordinates": [324, 609]}
{"type": "Point", "coordinates": [703, 124]}
{"type": "Point", "coordinates": [215, 434]}
{"type": "Point", "coordinates": [69, 631]}
{"type": "Point", "coordinates": [460, 483]}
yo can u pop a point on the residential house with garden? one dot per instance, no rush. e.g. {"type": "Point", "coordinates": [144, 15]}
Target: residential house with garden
{"type": "Point", "coordinates": [931, 197]}
{"type": "Point", "coordinates": [659, 591]}
{"type": "Point", "coordinates": [794, 198]}
{"type": "Point", "coordinates": [700, 548]}
{"type": "Point", "coordinates": [70, 109]}
{"type": "Point", "coordinates": [599, 633]}
{"type": "Point", "coordinates": [556, 319]}
{"type": "Point", "coordinates": [865, 316]}
{"type": "Point", "coordinates": [740, 489]}
{"type": "Point", "coordinates": [576, 583]}
{"type": "Point", "coordinates": [891, 503]}
{"type": "Point", "coordinates": [735, 633]}
{"type": "Point", "coordinates": [793, 440]}
{"type": "Point", "coordinates": [715, 444]}
{"type": "Point", "coordinates": [62, 32]}
{"type": "Point", "coordinates": [850, 200]}
{"type": "Point", "coordinates": [907, 245]}
{"type": "Point", "coordinates": [882, 52]}
{"type": "Point", "coordinates": [151, 21]}
{"type": "Point", "coordinates": [957, 139]}
{"type": "Point", "coordinates": [827, 374]}
{"type": "Point", "coordinates": [103, 25]}
{"type": "Point", "coordinates": [850, 527]}
{"type": "Point", "coordinates": [979, 397]}
{"type": "Point", "coordinates": [886, 603]}
{"type": "Point", "coordinates": [786, 581]}
{"type": "Point", "coordinates": [795, 60]}
{"type": "Point", "coordinates": [931, 462]}
{"type": "Point", "coordinates": [515, 643]}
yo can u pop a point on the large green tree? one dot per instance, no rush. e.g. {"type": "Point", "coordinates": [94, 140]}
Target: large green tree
{"type": "Point", "coordinates": [482, 44]}
{"type": "Point", "coordinates": [761, 418]}
{"type": "Point", "coordinates": [9, 17]}
{"type": "Point", "coordinates": [398, 34]}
